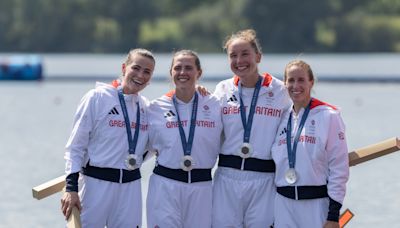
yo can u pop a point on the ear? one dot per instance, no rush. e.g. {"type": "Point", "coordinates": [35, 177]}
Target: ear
{"type": "Point", "coordinates": [200, 73]}
{"type": "Point", "coordinates": [123, 69]}
{"type": "Point", "coordinates": [258, 57]}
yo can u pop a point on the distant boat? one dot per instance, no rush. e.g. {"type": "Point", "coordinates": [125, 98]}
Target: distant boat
{"type": "Point", "coordinates": [21, 67]}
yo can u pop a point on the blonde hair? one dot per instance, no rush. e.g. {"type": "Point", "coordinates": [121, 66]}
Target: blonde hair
{"type": "Point", "coordinates": [140, 51]}
{"type": "Point", "coordinates": [301, 64]}
{"type": "Point", "coordinates": [248, 35]}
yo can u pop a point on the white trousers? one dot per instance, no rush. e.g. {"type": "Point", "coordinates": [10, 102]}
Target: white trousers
{"type": "Point", "coordinates": [175, 204]}
{"type": "Point", "coordinates": [243, 199]}
{"type": "Point", "coordinates": [291, 213]}
{"type": "Point", "coordinates": [110, 204]}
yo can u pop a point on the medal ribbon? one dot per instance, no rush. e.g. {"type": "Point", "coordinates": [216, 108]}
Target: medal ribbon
{"type": "Point", "coordinates": [247, 124]}
{"type": "Point", "coordinates": [292, 151]}
{"type": "Point", "coordinates": [132, 143]}
{"type": "Point", "coordinates": [187, 145]}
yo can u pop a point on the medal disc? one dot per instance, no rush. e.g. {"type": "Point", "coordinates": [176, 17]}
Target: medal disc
{"type": "Point", "coordinates": [187, 163]}
{"type": "Point", "coordinates": [131, 162]}
{"type": "Point", "coordinates": [291, 176]}
{"type": "Point", "coordinates": [245, 150]}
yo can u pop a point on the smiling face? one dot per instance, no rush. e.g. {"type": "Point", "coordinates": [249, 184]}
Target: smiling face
{"type": "Point", "coordinates": [243, 59]}
{"type": "Point", "coordinates": [299, 84]}
{"type": "Point", "coordinates": [136, 73]}
{"type": "Point", "coordinates": [185, 72]}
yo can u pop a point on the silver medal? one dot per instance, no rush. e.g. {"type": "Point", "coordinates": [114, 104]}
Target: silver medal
{"type": "Point", "coordinates": [187, 163]}
{"type": "Point", "coordinates": [245, 150]}
{"type": "Point", "coordinates": [291, 176]}
{"type": "Point", "coordinates": [131, 162]}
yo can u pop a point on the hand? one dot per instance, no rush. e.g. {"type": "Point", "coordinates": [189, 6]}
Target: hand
{"type": "Point", "coordinates": [202, 90]}
{"type": "Point", "coordinates": [331, 224]}
{"type": "Point", "coordinates": [70, 200]}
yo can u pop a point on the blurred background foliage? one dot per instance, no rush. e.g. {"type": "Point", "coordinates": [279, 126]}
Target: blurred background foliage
{"type": "Point", "coordinates": [100, 26]}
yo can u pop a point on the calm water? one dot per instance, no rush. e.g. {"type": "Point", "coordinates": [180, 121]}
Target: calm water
{"type": "Point", "coordinates": [36, 120]}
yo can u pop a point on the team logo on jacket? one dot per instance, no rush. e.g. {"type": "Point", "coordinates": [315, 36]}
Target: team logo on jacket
{"type": "Point", "coordinates": [170, 113]}
{"type": "Point", "coordinates": [206, 112]}
{"type": "Point", "coordinates": [311, 127]}
{"type": "Point", "coordinates": [232, 99]}
{"type": "Point", "coordinates": [284, 130]}
{"type": "Point", "coordinates": [341, 135]}
{"type": "Point", "coordinates": [270, 98]}
{"type": "Point", "coordinates": [113, 111]}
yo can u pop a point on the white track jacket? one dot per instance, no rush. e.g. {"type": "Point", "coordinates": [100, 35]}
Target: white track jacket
{"type": "Point", "coordinates": [322, 154]}
{"type": "Point", "coordinates": [99, 131]}
{"type": "Point", "coordinates": [164, 131]}
{"type": "Point", "coordinates": [273, 101]}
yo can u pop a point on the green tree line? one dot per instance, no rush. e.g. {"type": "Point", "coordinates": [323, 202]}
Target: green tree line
{"type": "Point", "coordinates": [102, 26]}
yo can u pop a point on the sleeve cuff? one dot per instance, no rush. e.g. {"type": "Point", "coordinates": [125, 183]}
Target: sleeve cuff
{"type": "Point", "coordinates": [71, 182]}
{"type": "Point", "coordinates": [334, 210]}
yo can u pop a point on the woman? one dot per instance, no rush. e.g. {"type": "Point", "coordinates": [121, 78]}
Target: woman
{"type": "Point", "coordinates": [107, 152]}
{"type": "Point", "coordinates": [252, 107]}
{"type": "Point", "coordinates": [185, 130]}
{"type": "Point", "coordinates": [310, 153]}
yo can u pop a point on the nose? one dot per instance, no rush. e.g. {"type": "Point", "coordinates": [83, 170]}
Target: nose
{"type": "Point", "coordinates": [295, 84]}
{"type": "Point", "coordinates": [239, 60]}
{"type": "Point", "coordinates": [140, 74]}
{"type": "Point", "coordinates": [182, 71]}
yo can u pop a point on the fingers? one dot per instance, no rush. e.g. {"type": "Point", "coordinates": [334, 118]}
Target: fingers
{"type": "Point", "coordinates": [66, 208]}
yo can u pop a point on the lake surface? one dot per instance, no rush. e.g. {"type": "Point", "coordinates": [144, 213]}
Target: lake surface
{"type": "Point", "coordinates": [36, 119]}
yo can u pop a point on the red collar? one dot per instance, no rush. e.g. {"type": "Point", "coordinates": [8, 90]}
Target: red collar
{"type": "Point", "coordinates": [267, 79]}
{"type": "Point", "coordinates": [316, 102]}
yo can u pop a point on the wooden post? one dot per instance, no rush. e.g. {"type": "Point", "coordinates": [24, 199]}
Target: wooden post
{"type": "Point", "coordinates": [373, 151]}
{"type": "Point", "coordinates": [49, 188]}
{"type": "Point", "coordinates": [74, 220]}
{"type": "Point", "coordinates": [53, 186]}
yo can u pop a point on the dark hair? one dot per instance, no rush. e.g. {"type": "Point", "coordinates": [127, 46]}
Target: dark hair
{"type": "Point", "coordinates": [187, 52]}
{"type": "Point", "coordinates": [248, 35]}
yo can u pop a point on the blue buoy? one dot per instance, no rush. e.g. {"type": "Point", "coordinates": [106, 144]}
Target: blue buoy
{"type": "Point", "coordinates": [27, 67]}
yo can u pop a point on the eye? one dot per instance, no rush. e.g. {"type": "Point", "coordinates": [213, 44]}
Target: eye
{"type": "Point", "coordinates": [188, 68]}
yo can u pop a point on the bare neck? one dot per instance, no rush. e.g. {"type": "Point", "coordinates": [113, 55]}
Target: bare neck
{"type": "Point", "coordinates": [249, 82]}
{"type": "Point", "coordinates": [185, 95]}
{"type": "Point", "coordinates": [298, 105]}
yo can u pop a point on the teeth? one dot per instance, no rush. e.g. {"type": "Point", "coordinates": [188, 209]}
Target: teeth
{"type": "Point", "coordinates": [241, 68]}
{"type": "Point", "coordinates": [137, 82]}
{"type": "Point", "coordinates": [183, 79]}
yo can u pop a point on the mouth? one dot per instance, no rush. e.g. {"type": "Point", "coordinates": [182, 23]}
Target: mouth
{"type": "Point", "coordinates": [137, 82]}
{"type": "Point", "coordinates": [241, 68]}
{"type": "Point", "coordinates": [183, 79]}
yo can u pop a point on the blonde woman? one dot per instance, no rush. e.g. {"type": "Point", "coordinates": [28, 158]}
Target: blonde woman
{"type": "Point", "coordinates": [253, 104]}
{"type": "Point", "coordinates": [106, 146]}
